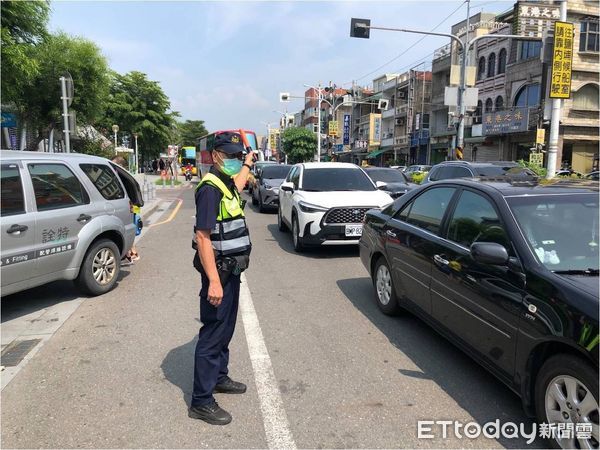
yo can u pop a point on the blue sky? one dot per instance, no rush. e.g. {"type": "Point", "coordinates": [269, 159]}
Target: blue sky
{"type": "Point", "coordinates": [226, 62]}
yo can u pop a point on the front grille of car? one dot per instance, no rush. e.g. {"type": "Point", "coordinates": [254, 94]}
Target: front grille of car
{"type": "Point", "coordinates": [345, 215]}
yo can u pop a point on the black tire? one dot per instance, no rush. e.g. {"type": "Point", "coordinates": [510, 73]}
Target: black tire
{"type": "Point", "coordinates": [565, 365]}
{"type": "Point", "coordinates": [296, 239]}
{"type": "Point", "coordinates": [261, 206]}
{"type": "Point", "coordinates": [385, 294]}
{"type": "Point", "coordinates": [280, 223]}
{"type": "Point", "coordinates": [86, 281]}
{"type": "Point", "coordinates": [254, 201]}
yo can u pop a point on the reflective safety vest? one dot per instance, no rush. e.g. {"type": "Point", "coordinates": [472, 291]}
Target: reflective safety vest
{"type": "Point", "coordinates": [230, 235]}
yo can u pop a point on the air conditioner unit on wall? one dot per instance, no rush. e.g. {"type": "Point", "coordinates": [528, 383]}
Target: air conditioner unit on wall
{"type": "Point", "coordinates": [401, 94]}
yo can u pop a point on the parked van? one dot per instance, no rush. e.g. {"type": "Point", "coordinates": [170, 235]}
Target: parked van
{"type": "Point", "coordinates": [64, 217]}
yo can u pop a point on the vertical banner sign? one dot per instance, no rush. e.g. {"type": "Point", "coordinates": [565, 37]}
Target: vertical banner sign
{"type": "Point", "coordinates": [346, 129]}
{"type": "Point", "coordinates": [562, 59]}
{"type": "Point", "coordinates": [273, 139]}
{"type": "Point", "coordinates": [377, 129]}
{"type": "Point", "coordinates": [333, 128]}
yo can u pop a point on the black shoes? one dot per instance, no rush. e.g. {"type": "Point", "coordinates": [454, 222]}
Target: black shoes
{"type": "Point", "coordinates": [211, 413]}
{"type": "Point", "coordinates": [228, 386]}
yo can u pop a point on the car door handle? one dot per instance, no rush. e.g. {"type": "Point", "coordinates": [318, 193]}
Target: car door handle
{"type": "Point", "coordinates": [390, 233]}
{"type": "Point", "coordinates": [83, 218]}
{"type": "Point", "coordinates": [17, 229]}
{"type": "Point", "coordinates": [440, 260]}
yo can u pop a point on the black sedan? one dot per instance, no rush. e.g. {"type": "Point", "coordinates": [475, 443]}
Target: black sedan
{"type": "Point", "coordinates": [389, 180]}
{"type": "Point", "coordinates": [507, 272]}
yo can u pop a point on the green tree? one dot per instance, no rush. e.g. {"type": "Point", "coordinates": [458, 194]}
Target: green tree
{"type": "Point", "coordinates": [23, 26]}
{"type": "Point", "coordinates": [299, 144]}
{"type": "Point", "coordinates": [139, 105]}
{"type": "Point", "coordinates": [187, 132]}
{"type": "Point", "coordinates": [40, 105]}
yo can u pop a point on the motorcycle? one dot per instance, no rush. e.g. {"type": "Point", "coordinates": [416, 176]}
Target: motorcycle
{"type": "Point", "coordinates": [188, 174]}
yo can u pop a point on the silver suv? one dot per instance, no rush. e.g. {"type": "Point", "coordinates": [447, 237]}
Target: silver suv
{"type": "Point", "coordinates": [63, 217]}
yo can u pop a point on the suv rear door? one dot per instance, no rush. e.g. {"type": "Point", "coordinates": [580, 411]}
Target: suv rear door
{"type": "Point", "coordinates": [17, 225]}
{"type": "Point", "coordinates": [63, 209]}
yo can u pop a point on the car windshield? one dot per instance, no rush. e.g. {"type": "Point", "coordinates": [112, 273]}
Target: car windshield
{"type": "Point", "coordinates": [386, 175]}
{"type": "Point", "coordinates": [275, 172]}
{"type": "Point", "coordinates": [562, 230]}
{"type": "Point", "coordinates": [336, 179]}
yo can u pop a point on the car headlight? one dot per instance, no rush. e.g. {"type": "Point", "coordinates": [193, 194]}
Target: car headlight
{"type": "Point", "coordinates": [267, 185]}
{"type": "Point", "coordinates": [310, 208]}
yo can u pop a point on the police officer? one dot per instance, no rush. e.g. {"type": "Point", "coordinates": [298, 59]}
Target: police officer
{"type": "Point", "coordinates": [223, 248]}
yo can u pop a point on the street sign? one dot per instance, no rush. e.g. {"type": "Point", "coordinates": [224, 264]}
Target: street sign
{"type": "Point", "coordinates": [333, 128]}
{"type": "Point", "coordinates": [451, 96]}
{"type": "Point", "coordinates": [70, 88]}
{"type": "Point", "coordinates": [536, 159]}
{"type": "Point", "coordinates": [540, 136]}
{"type": "Point", "coordinates": [562, 60]}
{"type": "Point", "coordinates": [9, 120]}
{"type": "Point", "coordinates": [346, 129]}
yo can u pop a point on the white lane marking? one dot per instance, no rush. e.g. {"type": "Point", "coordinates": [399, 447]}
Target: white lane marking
{"type": "Point", "coordinates": [277, 427]}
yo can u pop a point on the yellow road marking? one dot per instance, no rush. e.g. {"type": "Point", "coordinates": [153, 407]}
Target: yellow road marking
{"type": "Point", "coordinates": [171, 217]}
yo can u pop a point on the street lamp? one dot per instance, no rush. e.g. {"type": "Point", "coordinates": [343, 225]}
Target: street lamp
{"type": "Point", "coordinates": [137, 169]}
{"type": "Point", "coordinates": [115, 129]}
{"type": "Point", "coordinates": [320, 100]}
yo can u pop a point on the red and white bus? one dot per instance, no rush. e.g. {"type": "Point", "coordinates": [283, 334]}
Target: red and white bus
{"type": "Point", "coordinates": [205, 145]}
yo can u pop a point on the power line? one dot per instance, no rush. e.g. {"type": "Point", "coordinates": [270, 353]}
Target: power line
{"type": "Point", "coordinates": [410, 47]}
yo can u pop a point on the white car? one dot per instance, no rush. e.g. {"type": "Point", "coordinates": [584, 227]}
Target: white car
{"type": "Point", "coordinates": [325, 203]}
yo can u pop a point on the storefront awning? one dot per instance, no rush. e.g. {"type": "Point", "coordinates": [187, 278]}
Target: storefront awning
{"type": "Point", "coordinates": [374, 153]}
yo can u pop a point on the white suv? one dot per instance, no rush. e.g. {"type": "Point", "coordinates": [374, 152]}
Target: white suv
{"type": "Point", "coordinates": [325, 203]}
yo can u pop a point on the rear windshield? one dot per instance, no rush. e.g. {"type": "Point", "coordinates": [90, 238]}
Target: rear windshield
{"type": "Point", "coordinates": [386, 175]}
{"type": "Point", "coordinates": [275, 171]}
{"type": "Point", "coordinates": [494, 171]}
{"type": "Point", "coordinates": [336, 179]}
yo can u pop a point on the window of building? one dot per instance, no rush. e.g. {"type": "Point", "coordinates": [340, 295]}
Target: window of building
{"type": "Point", "coordinates": [499, 103]}
{"type": "Point", "coordinates": [588, 36]}
{"type": "Point", "coordinates": [586, 98]}
{"type": "Point", "coordinates": [55, 186]}
{"type": "Point", "coordinates": [12, 200]}
{"type": "Point", "coordinates": [481, 69]}
{"type": "Point", "coordinates": [530, 49]}
{"type": "Point", "coordinates": [491, 65]}
{"type": "Point", "coordinates": [502, 61]}
{"type": "Point", "coordinates": [476, 220]}
{"type": "Point", "coordinates": [489, 105]}
{"type": "Point", "coordinates": [428, 209]}
{"type": "Point", "coordinates": [478, 111]}
{"type": "Point", "coordinates": [528, 95]}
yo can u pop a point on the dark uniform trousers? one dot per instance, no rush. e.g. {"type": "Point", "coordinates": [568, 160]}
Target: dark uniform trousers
{"type": "Point", "coordinates": [212, 349]}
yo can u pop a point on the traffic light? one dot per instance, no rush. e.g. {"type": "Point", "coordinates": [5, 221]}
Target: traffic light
{"type": "Point", "coordinates": [359, 28]}
{"type": "Point", "coordinates": [284, 96]}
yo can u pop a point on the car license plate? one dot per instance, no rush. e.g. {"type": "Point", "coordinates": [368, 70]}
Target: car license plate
{"type": "Point", "coordinates": [354, 230]}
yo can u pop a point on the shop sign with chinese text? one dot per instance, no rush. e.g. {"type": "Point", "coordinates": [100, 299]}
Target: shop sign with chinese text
{"type": "Point", "coordinates": [513, 120]}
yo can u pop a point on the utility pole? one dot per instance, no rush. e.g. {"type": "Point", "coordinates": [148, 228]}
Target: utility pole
{"type": "Point", "coordinates": [460, 133]}
{"type": "Point", "coordinates": [555, 119]}
{"type": "Point", "coordinates": [65, 99]}
{"type": "Point", "coordinates": [319, 95]}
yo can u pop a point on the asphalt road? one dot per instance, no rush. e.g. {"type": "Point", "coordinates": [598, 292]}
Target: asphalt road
{"type": "Point", "coordinates": [118, 372]}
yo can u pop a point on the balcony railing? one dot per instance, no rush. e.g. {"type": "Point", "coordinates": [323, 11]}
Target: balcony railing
{"type": "Point", "coordinates": [388, 113]}
{"type": "Point", "coordinates": [389, 84]}
{"type": "Point", "coordinates": [402, 109]}
{"type": "Point", "coordinates": [388, 142]}
{"type": "Point", "coordinates": [401, 140]}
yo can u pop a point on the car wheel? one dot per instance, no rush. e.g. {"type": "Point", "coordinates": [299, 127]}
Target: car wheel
{"type": "Point", "coordinates": [280, 223]}
{"type": "Point", "coordinates": [254, 201]}
{"type": "Point", "coordinates": [298, 245]}
{"type": "Point", "coordinates": [566, 392]}
{"type": "Point", "coordinates": [100, 268]}
{"type": "Point", "coordinates": [384, 288]}
{"type": "Point", "coordinates": [261, 206]}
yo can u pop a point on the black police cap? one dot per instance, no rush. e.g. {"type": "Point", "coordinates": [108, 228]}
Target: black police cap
{"type": "Point", "coordinates": [229, 142]}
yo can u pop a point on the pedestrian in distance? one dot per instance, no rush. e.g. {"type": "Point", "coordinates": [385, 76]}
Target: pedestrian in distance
{"type": "Point", "coordinates": [222, 244]}
{"type": "Point", "coordinates": [161, 164]}
{"type": "Point", "coordinates": [170, 166]}
{"type": "Point", "coordinates": [132, 255]}
{"type": "Point", "coordinates": [154, 165]}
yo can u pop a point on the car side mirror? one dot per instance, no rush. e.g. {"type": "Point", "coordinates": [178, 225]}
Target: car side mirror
{"type": "Point", "coordinates": [380, 184]}
{"type": "Point", "coordinates": [489, 253]}
{"type": "Point", "coordinates": [288, 186]}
